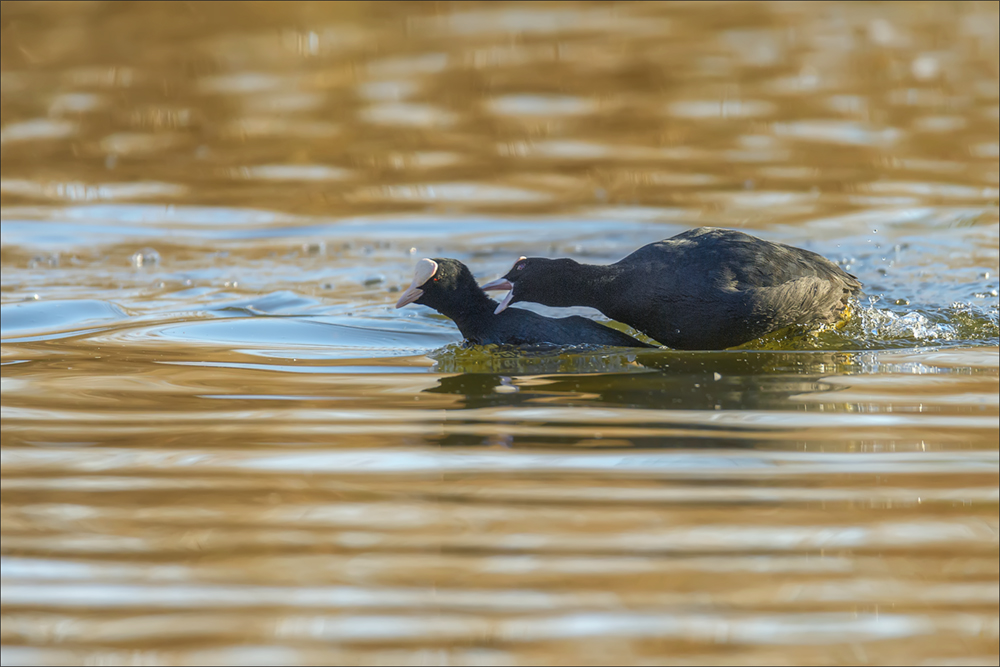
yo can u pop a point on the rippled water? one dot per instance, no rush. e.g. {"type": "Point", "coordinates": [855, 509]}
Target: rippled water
{"type": "Point", "coordinates": [222, 444]}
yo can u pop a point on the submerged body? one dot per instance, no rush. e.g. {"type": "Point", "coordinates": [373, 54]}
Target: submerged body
{"type": "Point", "coordinates": [704, 289]}
{"type": "Point", "coordinates": [447, 286]}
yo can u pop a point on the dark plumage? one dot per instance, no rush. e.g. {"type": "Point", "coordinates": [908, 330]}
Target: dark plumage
{"type": "Point", "coordinates": [447, 286]}
{"type": "Point", "coordinates": [703, 289]}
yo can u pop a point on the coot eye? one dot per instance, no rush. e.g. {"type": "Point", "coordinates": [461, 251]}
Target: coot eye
{"type": "Point", "coordinates": [520, 267]}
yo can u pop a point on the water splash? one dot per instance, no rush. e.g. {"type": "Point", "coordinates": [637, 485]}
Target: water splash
{"type": "Point", "coordinates": [875, 328]}
{"type": "Point", "coordinates": [886, 324]}
{"type": "Point", "coordinates": [144, 257]}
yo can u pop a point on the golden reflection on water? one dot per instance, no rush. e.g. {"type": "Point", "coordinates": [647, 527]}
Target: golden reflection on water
{"type": "Point", "coordinates": [222, 445]}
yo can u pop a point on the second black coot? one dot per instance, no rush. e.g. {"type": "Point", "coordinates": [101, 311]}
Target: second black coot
{"type": "Point", "coordinates": [704, 289]}
{"type": "Point", "coordinates": [447, 286]}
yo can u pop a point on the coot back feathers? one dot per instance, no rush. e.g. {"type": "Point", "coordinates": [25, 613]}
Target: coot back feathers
{"type": "Point", "coordinates": [702, 289]}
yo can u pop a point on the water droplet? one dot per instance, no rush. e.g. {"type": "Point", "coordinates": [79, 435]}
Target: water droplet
{"type": "Point", "coordinates": [44, 261]}
{"type": "Point", "coordinates": [145, 257]}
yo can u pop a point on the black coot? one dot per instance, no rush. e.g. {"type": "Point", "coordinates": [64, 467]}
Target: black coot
{"type": "Point", "coordinates": [447, 286]}
{"type": "Point", "coordinates": [704, 289]}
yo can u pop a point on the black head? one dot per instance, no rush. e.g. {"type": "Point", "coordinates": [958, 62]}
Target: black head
{"type": "Point", "coordinates": [447, 286]}
{"type": "Point", "coordinates": [534, 279]}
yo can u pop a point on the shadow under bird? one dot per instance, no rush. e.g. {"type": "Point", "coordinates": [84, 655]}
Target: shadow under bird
{"type": "Point", "coordinates": [703, 289]}
{"type": "Point", "coordinates": [447, 286]}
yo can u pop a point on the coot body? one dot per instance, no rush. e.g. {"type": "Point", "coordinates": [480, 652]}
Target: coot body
{"type": "Point", "coordinates": [704, 289]}
{"type": "Point", "coordinates": [447, 286]}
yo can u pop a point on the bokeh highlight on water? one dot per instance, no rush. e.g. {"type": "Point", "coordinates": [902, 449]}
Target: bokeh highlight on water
{"type": "Point", "coordinates": [222, 444]}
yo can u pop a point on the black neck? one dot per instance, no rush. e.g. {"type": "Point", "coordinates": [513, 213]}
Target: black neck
{"type": "Point", "coordinates": [586, 285]}
{"type": "Point", "coordinates": [473, 312]}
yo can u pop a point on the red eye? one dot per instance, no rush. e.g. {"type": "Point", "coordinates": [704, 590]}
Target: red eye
{"type": "Point", "coordinates": [520, 267]}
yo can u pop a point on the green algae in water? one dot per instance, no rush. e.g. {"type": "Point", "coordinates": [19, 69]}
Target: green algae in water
{"type": "Point", "coordinates": [533, 359]}
{"type": "Point", "coordinates": [868, 329]}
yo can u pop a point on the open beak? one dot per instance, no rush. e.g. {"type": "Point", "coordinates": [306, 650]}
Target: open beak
{"type": "Point", "coordinates": [499, 283]}
{"type": "Point", "coordinates": [506, 301]}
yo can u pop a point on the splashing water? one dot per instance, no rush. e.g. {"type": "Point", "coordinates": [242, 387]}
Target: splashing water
{"type": "Point", "coordinates": [875, 328]}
